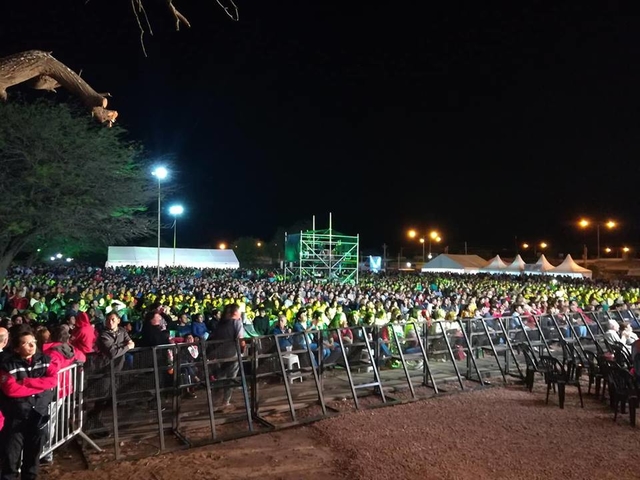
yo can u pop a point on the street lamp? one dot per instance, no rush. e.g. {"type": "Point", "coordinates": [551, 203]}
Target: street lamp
{"type": "Point", "coordinates": [584, 223]}
{"type": "Point", "coordinates": [175, 210]}
{"type": "Point", "coordinates": [432, 236]}
{"type": "Point", "coordinates": [160, 173]}
{"type": "Point", "coordinates": [536, 246]}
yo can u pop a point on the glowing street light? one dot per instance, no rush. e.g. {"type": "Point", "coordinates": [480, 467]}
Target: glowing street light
{"type": "Point", "coordinates": [536, 246]}
{"type": "Point", "coordinates": [175, 210]}
{"type": "Point", "coordinates": [160, 173]}
{"type": "Point", "coordinates": [222, 246]}
{"type": "Point", "coordinates": [433, 236]}
{"type": "Point", "coordinates": [610, 224]}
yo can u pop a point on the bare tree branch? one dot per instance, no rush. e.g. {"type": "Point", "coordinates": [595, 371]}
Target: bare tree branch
{"type": "Point", "coordinates": [233, 15]}
{"type": "Point", "coordinates": [178, 16]}
{"type": "Point", "coordinates": [44, 72]}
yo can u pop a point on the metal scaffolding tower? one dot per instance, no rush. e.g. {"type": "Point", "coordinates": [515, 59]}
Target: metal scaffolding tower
{"type": "Point", "coordinates": [322, 255]}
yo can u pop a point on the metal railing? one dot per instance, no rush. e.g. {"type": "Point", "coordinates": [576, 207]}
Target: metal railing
{"type": "Point", "coordinates": [66, 410]}
{"type": "Point", "coordinates": [145, 389]}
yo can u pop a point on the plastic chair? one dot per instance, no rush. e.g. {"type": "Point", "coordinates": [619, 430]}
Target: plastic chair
{"type": "Point", "coordinates": [532, 366]}
{"type": "Point", "coordinates": [559, 375]}
{"type": "Point", "coordinates": [624, 391]}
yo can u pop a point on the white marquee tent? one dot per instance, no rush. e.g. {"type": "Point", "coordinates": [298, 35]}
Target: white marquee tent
{"type": "Point", "coordinates": [570, 268]}
{"type": "Point", "coordinates": [517, 266]}
{"type": "Point", "coordinates": [541, 267]}
{"type": "Point", "coordinates": [184, 257]}
{"type": "Point", "coordinates": [455, 264]}
{"type": "Point", "coordinates": [495, 265]}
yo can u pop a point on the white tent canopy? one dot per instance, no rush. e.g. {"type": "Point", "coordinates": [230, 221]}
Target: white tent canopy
{"type": "Point", "coordinates": [455, 264]}
{"type": "Point", "coordinates": [495, 265]}
{"type": "Point", "coordinates": [517, 266]}
{"type": "Point", "coordinates": [184, 257]}
{"type": "Point", "coordinates": [570, 268]}
{"type": "Point", "coordinates": [541, 267]}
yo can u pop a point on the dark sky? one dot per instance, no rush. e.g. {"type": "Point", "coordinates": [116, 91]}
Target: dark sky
{"type": "Point", "coordinates": [485, 120]}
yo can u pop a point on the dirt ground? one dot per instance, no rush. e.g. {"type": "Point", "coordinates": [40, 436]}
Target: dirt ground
{"type": "Point", "coordinates": [494, 433]}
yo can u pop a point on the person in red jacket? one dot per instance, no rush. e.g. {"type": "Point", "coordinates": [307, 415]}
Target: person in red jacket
{"type": "Point", "coordinates": [62, 355]}
{"type": "Point", "coordinates": [27, 380]}
{"type": "Point", "coordinates": [83, 336]}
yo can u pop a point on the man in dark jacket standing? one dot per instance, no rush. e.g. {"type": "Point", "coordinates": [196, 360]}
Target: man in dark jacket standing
{"type": "Point", "coordinates": [229, 330]}
{"type": "Point", "coordinates": [111, 346]}
{"type": "Point", "coordinates": [27, 380]}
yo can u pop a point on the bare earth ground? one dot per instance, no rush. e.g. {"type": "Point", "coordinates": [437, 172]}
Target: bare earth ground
{"type": "Point", "coordinates": [495, 433]}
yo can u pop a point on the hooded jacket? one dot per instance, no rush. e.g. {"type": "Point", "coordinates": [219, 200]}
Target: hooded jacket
{"type": "Point", "coordinates": [83, 337]}
{"type": "Point", "coordinates": [63, 355]}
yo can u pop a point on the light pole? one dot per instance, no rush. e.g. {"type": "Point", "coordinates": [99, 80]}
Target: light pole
{"type": "Point", "coordinates": [160, 173]}
{"type": "Point", "coordinates": [432, 236]}
{"type": "Point", "coordinates": [584, 223]}
{"type": "Point", "coordinates": [175, 210]}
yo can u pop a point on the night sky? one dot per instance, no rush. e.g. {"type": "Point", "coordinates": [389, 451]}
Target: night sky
{"type": "Point", "coordinates": [485, 121]}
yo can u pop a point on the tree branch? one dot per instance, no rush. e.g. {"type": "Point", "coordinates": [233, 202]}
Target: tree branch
{"type": "Point", "coordinates": [44, 72]}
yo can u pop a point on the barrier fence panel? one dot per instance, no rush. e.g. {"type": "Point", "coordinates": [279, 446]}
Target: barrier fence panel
{"type": "Point", "coordinates": [466, 327]}
{"type": "Point", "coordinates": [66, 410]}
{"type": "Point", "coordinates": [298, 362]}
{"type": "Point", "coordinates": [341, 367]}
{"type": "Point", "coordinates": [412, 354]}
{"type": "Point", "coordinates": [440, 336]}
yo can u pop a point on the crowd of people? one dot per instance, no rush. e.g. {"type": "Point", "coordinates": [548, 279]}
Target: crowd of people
{"type": "Point", "coordinates": [52, 316]}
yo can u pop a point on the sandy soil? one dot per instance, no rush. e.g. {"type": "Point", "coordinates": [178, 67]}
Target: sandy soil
{"type": "Point", "coordinates": [495, 433]}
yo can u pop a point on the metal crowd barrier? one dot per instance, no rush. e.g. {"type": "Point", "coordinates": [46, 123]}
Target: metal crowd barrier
{"type": "Point", "coordinates": [145, 389]}
{"type": "Point", "coordinates": [66, 410]}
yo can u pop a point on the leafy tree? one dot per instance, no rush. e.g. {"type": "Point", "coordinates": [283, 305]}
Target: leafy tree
{"type": "Point", "coordinates": [65, 177]}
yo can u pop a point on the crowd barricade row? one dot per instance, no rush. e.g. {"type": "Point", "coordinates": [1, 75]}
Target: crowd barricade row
{"type": "Point", "coordinates": [149, 383]}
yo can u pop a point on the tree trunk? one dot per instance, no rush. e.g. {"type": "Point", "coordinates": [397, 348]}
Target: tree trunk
{"type": "Point", "coordinates": [44, 72]}
{"type": "Point", "coordinates": [5, 261]}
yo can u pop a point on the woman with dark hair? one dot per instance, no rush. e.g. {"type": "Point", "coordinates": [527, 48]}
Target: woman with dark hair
{"type": "Point", "coordinates": [27, 379]}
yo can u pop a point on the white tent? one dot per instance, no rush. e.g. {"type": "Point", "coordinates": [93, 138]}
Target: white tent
{"type": "Point", "coordinates": [570, 268]}
{"type": "Point", "coordinates": [541, 267]}
{"type": "Point", "coordinates": [455, 264]}
{"type": "Point", "coordinates": [515, 267]}
{"type": "Point", "coordinates": [184, 257]}
{"type": "Point", "coordinates": [495, 265]}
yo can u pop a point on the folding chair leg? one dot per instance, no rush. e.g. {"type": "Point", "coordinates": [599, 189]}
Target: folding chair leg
{"type": "Point", "coordinates": [561, 393]}
{"type": "Point", "coordinates": [548, 390]}
{"type": "Point", "coordinates": [529, 379]}
{"type": "Point", "coordinates": [580, 394]}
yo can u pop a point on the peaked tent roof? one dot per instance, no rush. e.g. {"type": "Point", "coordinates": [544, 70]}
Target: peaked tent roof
{"type": "Point", "coordinates": [542, 266]}
{"type": "Point", "coordinates": [570, 267]}
{"type": "Point", "coordinates": [517, 265]}
{"type": "Point", "coordinates": [454, 263]}
{"type": "Point", "coordinates": [496, 263]}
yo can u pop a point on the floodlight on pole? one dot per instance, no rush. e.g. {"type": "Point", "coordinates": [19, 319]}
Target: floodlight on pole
{"type": "Point", "coordinates": [610, 224]}
{"type": "Point", "coordinates": [175, 210]}
{"type": "Point", "coordinates": [160, 173]}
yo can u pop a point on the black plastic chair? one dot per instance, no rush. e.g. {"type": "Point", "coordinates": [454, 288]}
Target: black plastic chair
{"type": "Point", "coordinates": [622, 355]}
{"type": "Point", "coordinates": [624, 392]}
{"type": "Point", "coordinates": [557, 374]}
{"type": "Point", "coordinates": [593, 370]}
{"type": "Point", "coordinates": [533, 366]}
